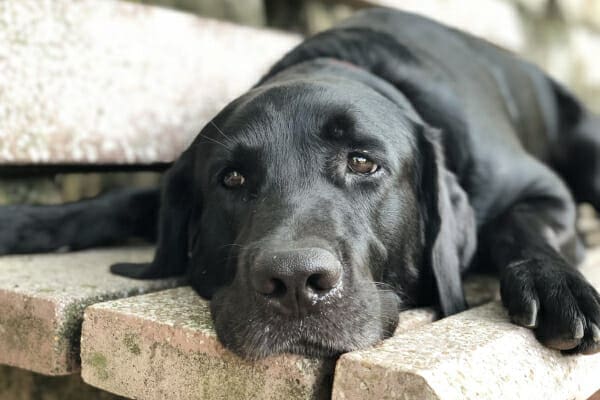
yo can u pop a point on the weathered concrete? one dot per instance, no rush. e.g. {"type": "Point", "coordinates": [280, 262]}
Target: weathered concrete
{"type": "Point", "coordinates": [18, 384]}
{"type": "Point", "coordinates": [479, 289]}
{"type": "Point", "coordinates": [477, 354]}
{"type": "Point", "coordinates": [118, 83]}
{"type": "Point", "coordinates": [165, 345]}
{"type": "Point", "coordinates": [42, 298]}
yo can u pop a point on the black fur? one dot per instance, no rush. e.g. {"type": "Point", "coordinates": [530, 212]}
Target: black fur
{"type": "Point", "coordinates": [479, 152]}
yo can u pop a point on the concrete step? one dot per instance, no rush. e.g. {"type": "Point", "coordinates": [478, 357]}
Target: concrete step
{"type": "Point", "coordinates": [42, 299]}
{"type": "Point", "coordinates": [477, 354]}
{"type": "Point", "coordinates": [165, 347]}
{"type": "Point", "coordinates": [111, 82]}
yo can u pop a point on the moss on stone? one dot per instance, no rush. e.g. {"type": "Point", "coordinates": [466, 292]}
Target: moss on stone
{"type": "Point", "coordinates": [100, 365]}
{"type": "Point", "coordinates": [201, 320]}
{"type": "Point", "coordinates": [69, 334]}
{"type": "Point", "coordinates": [130, 341]}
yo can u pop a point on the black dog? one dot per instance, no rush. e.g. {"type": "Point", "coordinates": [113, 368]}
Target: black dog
{"type": "Point", "coordinates": [364, 174]}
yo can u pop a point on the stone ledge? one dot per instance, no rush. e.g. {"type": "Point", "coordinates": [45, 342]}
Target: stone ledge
{"type": "Point", "coordinates": [165, 346]}
{"type": "Point", "coordinates": [477, 354]}
{"type": "Point", "coordinates": [42, 299]}
{"type": "Point", "coordinates": [111, 82]}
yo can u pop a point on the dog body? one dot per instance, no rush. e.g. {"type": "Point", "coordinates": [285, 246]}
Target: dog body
{"type": "Point", "coordinates": [366, 172]}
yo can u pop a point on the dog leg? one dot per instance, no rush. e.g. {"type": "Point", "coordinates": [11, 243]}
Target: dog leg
{"type": "Point", "coordinates": [540, 287]}
{"type": "Point", "coordinates": [106, 219]}
{"type": "Point", "coordinates": [581, 167]}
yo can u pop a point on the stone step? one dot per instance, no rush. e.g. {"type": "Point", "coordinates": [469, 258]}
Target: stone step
{"type": "Point", "coordinates": [42, 299]}
{"type": "Point", "coordinates": [111, 82]}
{"type": "Point", "coordinates": [165, 347]}
{"type": "Point", "coordinates": [477, 354]}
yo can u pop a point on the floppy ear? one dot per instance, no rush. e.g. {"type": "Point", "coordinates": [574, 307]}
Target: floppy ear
{"type": "Point", "coordinates": [450, 227]}
{"type": "Point", "coordinates": [171, 256]}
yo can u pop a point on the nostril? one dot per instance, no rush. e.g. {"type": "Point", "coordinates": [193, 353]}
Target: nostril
{"type": "Point", "coordinates": [295, 278]}
{"type": "Point", "coordinates": [323, 282]}
{"type": "Point", "coordinates": [272, 287]}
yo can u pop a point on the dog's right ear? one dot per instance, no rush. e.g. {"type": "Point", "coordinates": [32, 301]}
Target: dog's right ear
{"type": "Point", "coordinates": [177, 198]}
{"type": "Point", "coordinates": [450, 226]}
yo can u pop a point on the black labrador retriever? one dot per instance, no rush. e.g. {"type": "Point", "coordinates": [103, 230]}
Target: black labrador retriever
{"type": "Point", "coordinates": [364, 174]}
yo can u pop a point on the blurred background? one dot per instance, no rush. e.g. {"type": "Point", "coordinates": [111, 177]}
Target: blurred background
{"type": "Point", "coordinates": [562, 36]}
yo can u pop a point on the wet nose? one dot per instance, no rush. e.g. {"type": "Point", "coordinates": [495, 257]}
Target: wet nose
{"type": "Point", "coordinates": [296, 280]}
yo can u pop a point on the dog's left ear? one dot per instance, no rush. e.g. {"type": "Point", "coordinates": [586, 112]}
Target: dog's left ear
{"type": "Point", "coordinates": [176, 203]}
{"type": "Point", "coordinates": [449, 223]}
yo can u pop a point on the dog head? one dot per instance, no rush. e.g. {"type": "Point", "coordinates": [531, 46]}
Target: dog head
{"type": "Point", "coordinates": [310, 211]}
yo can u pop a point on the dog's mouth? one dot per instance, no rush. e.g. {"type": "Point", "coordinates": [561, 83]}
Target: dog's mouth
{"type": "Point", "coordinates": [255, 334]}
{"type": "Point", "coordinates": [308, 347]}
{"type": "Point", "coordinates": [297, 338]}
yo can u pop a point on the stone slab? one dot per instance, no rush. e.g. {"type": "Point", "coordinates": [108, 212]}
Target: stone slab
{"type": "Point", "coordinates": [477, 354]}
{"type": "Point", "coordinates": [42, 298]}
{"type": "Point", "coordinates": [165, 346]}
{"type": "Point", "coordinates": [111, 82]}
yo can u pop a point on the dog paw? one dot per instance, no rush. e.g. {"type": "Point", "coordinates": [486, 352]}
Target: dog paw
{"type": "Point", "coordinates": [22, 232]}
{"type": "Point", "coordinates": [556, 301]}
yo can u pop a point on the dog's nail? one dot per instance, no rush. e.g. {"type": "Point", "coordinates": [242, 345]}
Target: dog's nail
{"type": "Point", "coordinates": [578, 331]}
{"type": "Point", "coordinates": [595, 333]}
{"type": "Point", "coordinates": [562, 344]}
{"type": "Point", "coordinates": [529, 318]}
{"type": "Point", "coordinates": [533, 315]}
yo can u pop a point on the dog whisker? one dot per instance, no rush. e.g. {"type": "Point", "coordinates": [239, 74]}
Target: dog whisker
{"type": "Point", "coordinates": [214, 141]}
{"type": "Point", "coordinates": [219, 130]}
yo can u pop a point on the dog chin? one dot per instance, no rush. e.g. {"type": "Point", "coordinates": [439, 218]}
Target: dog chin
{"type": "Point", "coordinates": [254, 334]}
{"type": "Point", "coordinates": [300, 337]}
{"type": "Point", "coordinates": [311, 347]}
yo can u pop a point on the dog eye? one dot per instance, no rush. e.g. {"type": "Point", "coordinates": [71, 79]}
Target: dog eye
{"type": "Point", "coordinates": [233, 179]}
{"type": "Point", "coordinates": [359, 164]}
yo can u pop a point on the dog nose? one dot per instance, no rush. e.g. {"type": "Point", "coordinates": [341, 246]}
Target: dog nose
{"type": "Point", "coordinates": [296, 280]}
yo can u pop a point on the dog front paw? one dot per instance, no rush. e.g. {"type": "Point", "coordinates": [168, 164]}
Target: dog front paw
{"type": "Point", "coordinates": [554, 300]}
